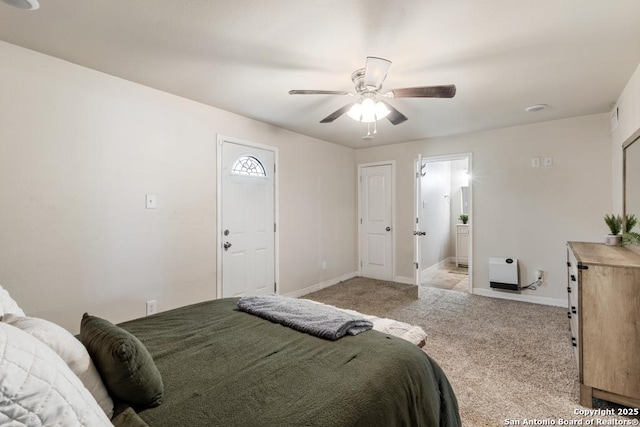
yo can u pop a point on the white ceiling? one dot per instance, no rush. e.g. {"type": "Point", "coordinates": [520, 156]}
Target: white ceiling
{"type": "Point", "coordinates": [245, 55]}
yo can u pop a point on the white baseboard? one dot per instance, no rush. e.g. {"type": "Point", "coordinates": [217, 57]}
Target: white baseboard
{"type": "Point", "coordinates": [321, 285]}
{"type": "Point", "coordinates": [405, 280]}
{"type": "Point", "coordinates": [520, 297]}
{"type": "Point", "coordinates": [435, 267]}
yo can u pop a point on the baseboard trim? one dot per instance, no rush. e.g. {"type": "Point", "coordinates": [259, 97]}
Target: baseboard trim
{"type": "Point", "coordinates": [321, 285]}
{"type": "Point", "coordinates": [405, 280]}
{"type": "Point", "coordinates": [520, 297]}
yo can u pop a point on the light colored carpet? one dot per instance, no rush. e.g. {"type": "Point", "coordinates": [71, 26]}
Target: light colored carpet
{"type": "Point", "coordinates": [505, 359]}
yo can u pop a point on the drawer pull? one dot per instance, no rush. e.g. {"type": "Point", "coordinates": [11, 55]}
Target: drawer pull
{"type": "Point", "coordinates": [568, 264]}
{"type": "Point", "coordinates": [573, 342]}
{"type": "Point", "coordinates": [574, 310]}
{"type": "Point", "coordinates": [569, 289]}
{"type": "Point", "coordinates": [569, 314]}
{"type": "Point", "coordinates": [573, 277]}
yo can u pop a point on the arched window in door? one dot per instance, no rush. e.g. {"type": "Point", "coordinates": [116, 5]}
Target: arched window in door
{"type": "Point", "coordinates": [248, 165]}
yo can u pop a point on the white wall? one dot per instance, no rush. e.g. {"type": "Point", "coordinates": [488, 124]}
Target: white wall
{"type": "Point", "coordinates": [459, 169]}
{"type": "Point", "coordinates": [435, 214]}
{"type": "Point", "coordinates": [519, 211]}
{"type": "Point", "coordinates": [628, 129]}
{"type": "Point", "coordinates": [78, 152]}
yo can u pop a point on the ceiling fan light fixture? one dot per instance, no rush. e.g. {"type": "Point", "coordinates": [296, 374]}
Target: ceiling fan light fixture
{"type": "Point", "coordinates": [381, 110]}
{"type": "Point", "coordinates": [367, 83]}
{"type": "Point", "coordinates": [368, 111]}
{"type": "Point", "coordinates": [23, 4]}
{"type": "Point", "coordinates": [355, 112]}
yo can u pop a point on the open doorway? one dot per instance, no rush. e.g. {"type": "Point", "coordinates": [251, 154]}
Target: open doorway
{"type": "Point", "coordinates": [444, 215]}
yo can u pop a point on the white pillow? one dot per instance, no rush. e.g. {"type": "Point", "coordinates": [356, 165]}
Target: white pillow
{"type": "Point", "coordinates": [8, 304]}
{"type": "Point", "coordinates": [72, 352]}
{"type": "Point", "coordinates": [38, 389]}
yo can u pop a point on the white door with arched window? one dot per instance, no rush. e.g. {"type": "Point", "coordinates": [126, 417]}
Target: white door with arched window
{"type": "Point", "coordinates": [247, 220]}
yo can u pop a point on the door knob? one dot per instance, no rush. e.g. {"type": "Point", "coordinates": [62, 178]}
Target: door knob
{"type": "Point", "coordinates": [388, 228]}
{"type": "Point", "coordinates": [226, 245]}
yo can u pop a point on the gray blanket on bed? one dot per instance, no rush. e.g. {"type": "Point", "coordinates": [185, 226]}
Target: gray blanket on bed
{"type": "Point", "coordinates": [305, 316]}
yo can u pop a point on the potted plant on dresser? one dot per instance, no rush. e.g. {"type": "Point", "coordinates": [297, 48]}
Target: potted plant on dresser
{"type": "Point", "coordinates": [614, 222]}
{"type": "Point", "coordinates": [630, 237]}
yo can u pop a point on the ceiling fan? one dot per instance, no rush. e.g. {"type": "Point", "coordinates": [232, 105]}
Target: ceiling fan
{"type": "Point", "coordinates": [368, 88]}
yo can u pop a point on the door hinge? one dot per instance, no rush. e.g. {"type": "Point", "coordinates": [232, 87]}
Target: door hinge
{"type": "Point", "coordinates": [274, 227]}
{"type": "Point", "coordinates": [417, 175]}
{"type": "Point", "coordinates": [417, 220]}
{"type": "Point", "coordinates": [360, 220]}
{"type": "Point", "coordinates": [416, 265]}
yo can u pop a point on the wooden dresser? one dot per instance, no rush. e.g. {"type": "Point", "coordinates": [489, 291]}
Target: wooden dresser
{"type": "Point", "coordinates": [604, 312]}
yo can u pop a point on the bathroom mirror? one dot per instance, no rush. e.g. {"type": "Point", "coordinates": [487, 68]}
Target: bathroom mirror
{"type": "Point", "coordinates": [631, 181]}
{"type": "Point", "coordinates": [464, 207]}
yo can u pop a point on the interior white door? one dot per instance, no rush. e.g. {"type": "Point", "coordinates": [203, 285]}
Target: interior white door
{"type": "Point", "coordinates": [376, 234]}
{"type": "Point", "coordinates": [247, 239]}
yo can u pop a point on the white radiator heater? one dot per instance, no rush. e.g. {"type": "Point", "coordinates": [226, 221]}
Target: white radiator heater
{"type": "Point", "coordinates": [504, 274]}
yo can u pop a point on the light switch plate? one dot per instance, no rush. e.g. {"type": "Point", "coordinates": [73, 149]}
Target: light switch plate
{"type": "Point", "coordinates": [151, 201]}
{"type": "Point", "coordinates": [548, 162]}
{"type": "Point", "coordinates": [535, 162]}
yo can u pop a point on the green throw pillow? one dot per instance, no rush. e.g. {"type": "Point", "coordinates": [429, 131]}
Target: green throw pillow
{"type": "Point", "coordinates": [124, 363]}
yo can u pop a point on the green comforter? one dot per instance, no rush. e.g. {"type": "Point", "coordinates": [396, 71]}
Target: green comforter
{"type": "Point", "coordinates": [223, 367]}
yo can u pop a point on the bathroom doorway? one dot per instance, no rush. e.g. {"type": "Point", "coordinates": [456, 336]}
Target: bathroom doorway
{"type": "Point", "coordinates": [444, 214]}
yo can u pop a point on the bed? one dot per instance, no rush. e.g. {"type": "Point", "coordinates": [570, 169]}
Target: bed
{"type": "Point", "coordinates": [211, 364]}
{"type": "Point", "coordinates": [224, 367]}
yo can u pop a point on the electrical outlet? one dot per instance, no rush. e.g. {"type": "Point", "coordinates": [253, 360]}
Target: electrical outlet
{"type": "Point", "coordinates": [152, 307]}
{"type": "Point", "coordinates": [540, 275]}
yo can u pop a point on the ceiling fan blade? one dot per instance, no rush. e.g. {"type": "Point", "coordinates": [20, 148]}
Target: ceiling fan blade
{"type": "Point", "coordinates": [319, 92]}
{"type": "Point", "coordinates": [446, 91]}
{"type": "Point", "coordinates": [375, 72]}
{"type": "Point", "coordinates": [331, 117]}
{"type": "Point", "coordinates": [395, 116]}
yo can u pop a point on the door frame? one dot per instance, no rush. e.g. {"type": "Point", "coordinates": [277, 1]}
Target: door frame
{"type": "Point", "coordinates": [392, 163]}
{"type": "Point", "coordinates": [220, 139]}
{"type": "Point", "coordinates": [416, 199]}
